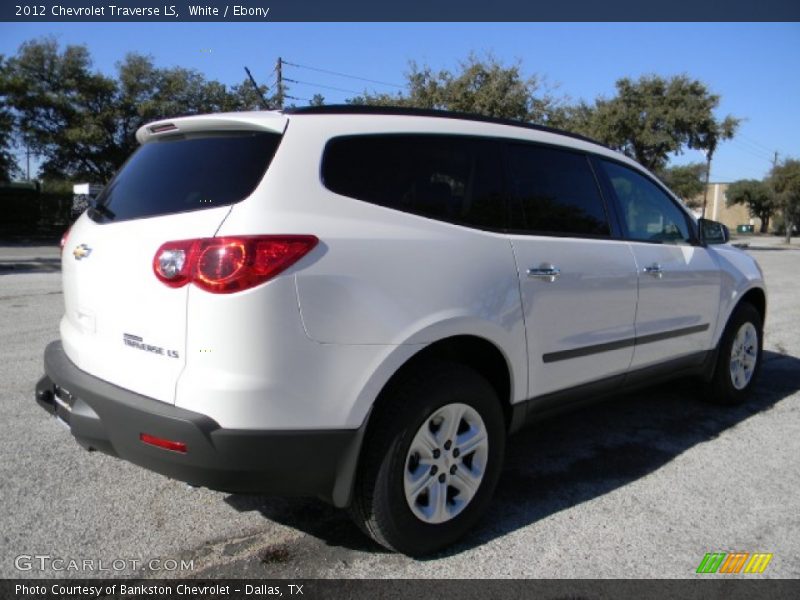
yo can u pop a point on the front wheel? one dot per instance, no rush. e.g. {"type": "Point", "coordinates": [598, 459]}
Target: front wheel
{"type": "Point", "coordinates": [431, 460]}
{"type": "Point", "coordinates": [739, 359]}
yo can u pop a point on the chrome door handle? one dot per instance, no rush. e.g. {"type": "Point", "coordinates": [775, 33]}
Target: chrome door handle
{"type": "Point", "coordinates": [546, 272]}
{"type": "Point", "coordinates": [655, 270]}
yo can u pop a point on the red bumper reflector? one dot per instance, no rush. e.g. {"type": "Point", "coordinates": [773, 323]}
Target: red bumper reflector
{"type": "Point", "coordinates": [162, 443]}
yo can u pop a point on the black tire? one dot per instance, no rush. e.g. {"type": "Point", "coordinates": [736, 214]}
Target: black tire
{"type": "Point", "coordinates": [379, 504]}
{"type": "Point", "coordinates": [721, 389]}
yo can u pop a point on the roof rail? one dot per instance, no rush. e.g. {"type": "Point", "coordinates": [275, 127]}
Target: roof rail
{"type": "Point", "coordinates": [365, 109]}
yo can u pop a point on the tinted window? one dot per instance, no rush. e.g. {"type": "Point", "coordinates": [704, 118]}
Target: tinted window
{"type": "Point", "coordinates": [554, 191]}
{"type": "Point", "coordinates": [451, 178]}
{"type": "Point", "coordinates": [649, 214]}
{"type": "Point", "coordinates": [179, 173]}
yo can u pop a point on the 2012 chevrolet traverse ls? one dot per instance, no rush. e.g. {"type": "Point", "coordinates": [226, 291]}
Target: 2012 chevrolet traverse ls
{"type": "Point", "coordinates": [361, 304]}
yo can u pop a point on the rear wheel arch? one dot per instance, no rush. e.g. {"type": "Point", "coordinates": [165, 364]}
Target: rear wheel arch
{"type": "Point", "coordinates": [474, 352]}
{"type": "Point", "coordinates": [381, 505]}
{"type": "Point", "coordinates": [471, 351]}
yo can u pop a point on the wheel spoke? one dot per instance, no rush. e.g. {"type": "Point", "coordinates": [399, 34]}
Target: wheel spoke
{"type": "Point", "coordinates": [749, 338]}
{"type": "Point", "coordinates": [465, 482]}
{"type": "Point", "coordinates": [452, 420]}
{"type": "Point", "coordinates": [427, 442]}
{"type": "Point", "coordinates": [437, 501]}
{"type": "Point", "coordinates": [418, 485]}
{"type": "Point", "coordinates": [734, 366]}
{"type": "Point", "coordinates": [472, 440]}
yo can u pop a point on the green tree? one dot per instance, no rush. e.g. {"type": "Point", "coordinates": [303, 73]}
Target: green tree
{"type": "Point", "coordinates": [687, 181]}
{"type": "Point", "coordinates": [481, 86]}
{"type": "Point", "coordinates": [147, 93]}
{"type": "Point", "coordinates": [243, 96]}
{"type": "Point", "coordinates": [62, 109]}
{"type": "Point", "coordinates": [653, 117]}
{"type": "Point", "coordinates": [758, 196]}
{"type": "Point", "coordinates": [8, 164]}
{"type": "Point", "coordinates": [82, 122]}
{"type": "Point", "coordinates": [578, 118]}
{"type": "Point", "coordinates": [785, 180]}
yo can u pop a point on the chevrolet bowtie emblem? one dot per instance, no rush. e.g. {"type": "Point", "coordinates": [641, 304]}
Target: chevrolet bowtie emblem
{"type": "Point", "coordinates": [82, 251]}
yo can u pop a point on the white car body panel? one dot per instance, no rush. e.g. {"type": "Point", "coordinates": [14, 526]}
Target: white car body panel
{"type": "Point", "coordinates": [685, 296]}
{"type": "Point", "coordinates": [739, 274]}
{"type": "Point", "coordinates": [593, 302]}
{"type": "Point", "coordinates": [113, 292]}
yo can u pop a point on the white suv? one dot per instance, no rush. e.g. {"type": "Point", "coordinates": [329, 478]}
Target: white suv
{"type": "Point", "coordinates": [361, 304]}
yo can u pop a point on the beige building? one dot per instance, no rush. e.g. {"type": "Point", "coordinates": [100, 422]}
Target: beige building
{"type": "Point", "coordinates": [717, 209]}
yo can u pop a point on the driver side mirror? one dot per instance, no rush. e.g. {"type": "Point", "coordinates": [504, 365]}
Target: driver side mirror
{"type": "Point", "coordinates": [713, 232]}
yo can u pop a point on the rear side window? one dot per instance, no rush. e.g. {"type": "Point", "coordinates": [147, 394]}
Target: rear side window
{"type": "Point", "coordinates": [554, 192]}
{"type": "Point", "coordinates": [450, 178]}
{"type": "Point", "coordinates": [187, 172]}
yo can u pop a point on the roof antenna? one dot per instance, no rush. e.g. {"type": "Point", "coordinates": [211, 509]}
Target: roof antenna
{"type": "Point", "coordinates": [258, 90]}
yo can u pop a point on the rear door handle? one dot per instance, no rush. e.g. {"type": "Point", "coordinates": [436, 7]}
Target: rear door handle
{"type": "Point", "coordinates": [545, 272]}
{"type": "Point", "coordinates": [655, 270]}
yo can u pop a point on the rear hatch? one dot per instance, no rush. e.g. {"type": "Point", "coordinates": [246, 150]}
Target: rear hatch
{"type": "Point", "coordinates": [121, 323]}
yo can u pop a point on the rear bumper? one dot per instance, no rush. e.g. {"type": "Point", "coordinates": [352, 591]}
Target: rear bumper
{"type": "Point", "coordinates": [105, 417]}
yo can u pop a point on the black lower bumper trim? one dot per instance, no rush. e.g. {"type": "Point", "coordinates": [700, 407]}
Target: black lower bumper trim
{"type": "Point", "coordinates": [105, 417]}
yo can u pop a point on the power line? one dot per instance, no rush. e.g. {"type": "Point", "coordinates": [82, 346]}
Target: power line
{"type": "Point", "coordinates": [773, 153]}
{"type": "Point", "coordinates": [296, 98]}
{"type": "Point", "coordinates": [319, 85]}
{"type": "Point", "coordinates": [756, 149]}
{"type": "Point", "coordinates": [339, 74]}
{"type": "Point", "coordinates": [755, 154]}
{"type": "Point", "coordinates": [754, 142]}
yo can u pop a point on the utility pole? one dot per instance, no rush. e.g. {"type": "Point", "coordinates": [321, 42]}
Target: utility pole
{"type": "Point", "coordinates": [279, 85]}
{"type": "Point", "coordinates": [775, 160]}
{"type": "Point", "coordinates": [708, 178]}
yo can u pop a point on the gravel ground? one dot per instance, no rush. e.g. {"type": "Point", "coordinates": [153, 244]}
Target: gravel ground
{"type": "Point", "coordinates": [640, 486]}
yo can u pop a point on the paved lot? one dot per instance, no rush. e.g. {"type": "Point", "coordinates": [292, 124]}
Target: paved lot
{"type": "Point", "coordinates": [641, 486]}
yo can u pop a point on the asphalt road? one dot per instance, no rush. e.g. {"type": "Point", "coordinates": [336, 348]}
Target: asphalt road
{"type": "Point", "coordinates": [640, 486]}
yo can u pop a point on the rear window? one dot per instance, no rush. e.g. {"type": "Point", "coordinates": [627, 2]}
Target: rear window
{"type": "Point", "coordinates": [445, 177]}
{"type": "Point", "coordinates": [554, 192]}
{"type": "Point", "coordinates": [180, 173]}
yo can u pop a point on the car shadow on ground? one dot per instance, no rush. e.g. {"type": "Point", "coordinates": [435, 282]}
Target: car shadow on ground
{"type": "Point", "coordinates": [566, 460]}
{"type": "Point", "coordinates": [35, 265]}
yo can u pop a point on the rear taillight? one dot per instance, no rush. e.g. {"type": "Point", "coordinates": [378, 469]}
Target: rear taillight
{"type": "Point", "coordinates": [229, 264]}
{"type": "Point", "coordinates": [64, 239]}
{"type": "Point", "coordinates": [172, 262]}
